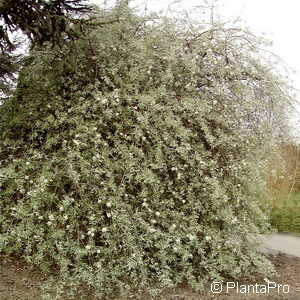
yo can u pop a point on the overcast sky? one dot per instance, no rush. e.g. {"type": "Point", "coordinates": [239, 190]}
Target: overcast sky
{"type": "Point", "coordinates": [278, 20]}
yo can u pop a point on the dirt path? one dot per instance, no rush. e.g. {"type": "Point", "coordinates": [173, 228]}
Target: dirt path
{"type": "Point", "coordinates": [20, 282]}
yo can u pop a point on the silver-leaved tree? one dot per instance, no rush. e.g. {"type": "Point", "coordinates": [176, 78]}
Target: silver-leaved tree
{"type": "Point", "coordinates": [133, 158]}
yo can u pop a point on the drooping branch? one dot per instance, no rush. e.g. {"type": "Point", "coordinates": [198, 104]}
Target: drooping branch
{"type": "Point", "coordinates": [40, 20]}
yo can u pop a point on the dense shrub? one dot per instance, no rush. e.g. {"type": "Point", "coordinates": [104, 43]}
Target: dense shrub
{"type": "Point", "coordinates": [286, 218]}
{"type": "Point", "coordinates": [133, 158]}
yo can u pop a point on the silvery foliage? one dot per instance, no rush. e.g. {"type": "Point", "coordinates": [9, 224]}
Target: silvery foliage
{"type": "Point", "coordinates": [133, 157]}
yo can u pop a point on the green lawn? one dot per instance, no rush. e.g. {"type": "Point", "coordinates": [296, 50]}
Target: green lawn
{"type": "Point", "coordinates": [286, 215]}
{"type": "Point", "coordinates": [296, 197]}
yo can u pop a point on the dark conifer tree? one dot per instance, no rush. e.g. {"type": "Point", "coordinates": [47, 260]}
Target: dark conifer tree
{"type": "Point", "coordinates": [41, 21]}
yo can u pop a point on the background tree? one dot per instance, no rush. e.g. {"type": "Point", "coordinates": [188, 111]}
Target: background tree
{"type": "Point", "coordinates": [284, 187]}
{"type": "Point", "coordinates": [41, 21]}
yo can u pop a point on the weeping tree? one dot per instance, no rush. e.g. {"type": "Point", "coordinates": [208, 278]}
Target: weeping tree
{"type": "Point", "coordinates": [133, 158]}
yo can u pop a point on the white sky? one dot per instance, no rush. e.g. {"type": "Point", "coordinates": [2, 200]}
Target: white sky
{"type": "Point", "coordinates": [279, 20]}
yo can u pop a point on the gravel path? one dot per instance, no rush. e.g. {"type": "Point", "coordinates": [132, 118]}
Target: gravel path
{"type": "Point", "coordinates": [281, 243]}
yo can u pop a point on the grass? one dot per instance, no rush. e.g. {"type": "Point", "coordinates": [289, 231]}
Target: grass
{"type": "Point", "coordinates": [296, 197]}
{"type": "Point", "coordinates": [285, 214]}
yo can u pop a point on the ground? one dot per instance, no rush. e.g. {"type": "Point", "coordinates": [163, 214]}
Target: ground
{"type": "Point", "coordinates": [18, 281]}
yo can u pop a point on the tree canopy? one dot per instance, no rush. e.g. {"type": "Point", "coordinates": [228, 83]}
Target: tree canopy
{"type": "Point", "coordinates": [41, 21]}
